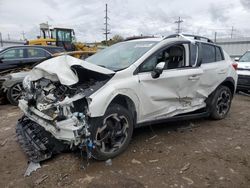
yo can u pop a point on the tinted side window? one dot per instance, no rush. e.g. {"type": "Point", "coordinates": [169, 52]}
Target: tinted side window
{"type": "Point", "coordinates": [174, 57]}
{"type": "Point", "coordinates": [37, 53]}
{"type": "Point", "coordinates": [218, 53]}
{"type": "Point", "coordinates": [13, 54]}
{"type": "Point", "coordinates": [208, 53]}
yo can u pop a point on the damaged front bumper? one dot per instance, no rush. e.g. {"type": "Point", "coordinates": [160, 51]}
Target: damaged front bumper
{"type": "Point", "coordinates": [37, 143]}
{"type": "Point", "coordinates": [69, 130]}
{"type": "Point", "coordinates": [41, 136]}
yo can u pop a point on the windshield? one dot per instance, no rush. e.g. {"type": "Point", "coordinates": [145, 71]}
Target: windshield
{"type": "Point", "coordinates": [64, 35]}
{"type": "Point", "coordinates": [245, 57]}
{"type": "Point", "coordinates": [121, 55]}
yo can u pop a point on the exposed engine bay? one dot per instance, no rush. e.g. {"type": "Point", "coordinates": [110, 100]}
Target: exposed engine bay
{"type": "Point", "coordinates": [57, 112]}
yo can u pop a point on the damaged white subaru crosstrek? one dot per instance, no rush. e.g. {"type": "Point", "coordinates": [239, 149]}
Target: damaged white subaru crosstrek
{"type": "Point", "coordinates": [94, 105]}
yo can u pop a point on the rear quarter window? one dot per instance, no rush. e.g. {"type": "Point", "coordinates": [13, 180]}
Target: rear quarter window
{"type": "Point", "coordinates": [208, 53]}
{"type": "Point", "coordinates": [211, 53]}
{"type": "Point", "coordinates": [37, 53]}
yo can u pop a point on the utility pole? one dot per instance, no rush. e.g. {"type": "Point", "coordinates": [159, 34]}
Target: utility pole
{"type": "Point", "coordinates": [215, 36]}
{"type": "Point", "coordinates": [232, 30]}
{"type": "Point", "coordinates": [1, 39]}
{"type": "Point", "coordinates": [8, 36]}
{"type": "Point", "coordinates": [107, 31]}
{"type": "Point", "coordinates": [23, 33]}
{"type": "Point", "coordinates": [179, 21]}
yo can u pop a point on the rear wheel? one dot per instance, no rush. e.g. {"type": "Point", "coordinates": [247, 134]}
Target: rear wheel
{"type": "Point", "coordinates": [221, 103]}
{"type": "Point", "coordinates": [112, 133]}
{"type": "Point", "coordinates": [14, 93]}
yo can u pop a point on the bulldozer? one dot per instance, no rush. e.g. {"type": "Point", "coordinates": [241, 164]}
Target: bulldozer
{"type": "Point", "coordinates": [63, 37]}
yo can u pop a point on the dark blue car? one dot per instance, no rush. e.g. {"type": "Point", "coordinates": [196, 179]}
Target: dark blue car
{"type": "Point", "coordinates": [21, 56]}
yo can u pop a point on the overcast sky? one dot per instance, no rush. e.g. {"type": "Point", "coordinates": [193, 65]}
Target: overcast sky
{"type": "Point", "coordinates": [127, 17]}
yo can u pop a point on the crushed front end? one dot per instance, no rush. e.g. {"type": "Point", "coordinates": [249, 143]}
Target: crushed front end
{"type": "Point", "coordinates": [55, 111]}
{"type": "Point", "coordinates": [54, 119]}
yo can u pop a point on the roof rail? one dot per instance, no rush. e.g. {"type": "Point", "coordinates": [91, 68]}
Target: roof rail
{"type": "Point", "coordinates": [138, 37]}
{"type": "Point", "coordinates": [196, 37]}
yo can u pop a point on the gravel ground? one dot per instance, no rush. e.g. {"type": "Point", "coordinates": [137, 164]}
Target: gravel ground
{"type": "Point", "coordinates": [198, 153]}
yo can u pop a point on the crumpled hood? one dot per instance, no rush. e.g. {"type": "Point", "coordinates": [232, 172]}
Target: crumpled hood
{"type": "Point", "coordinates": [59, 69]}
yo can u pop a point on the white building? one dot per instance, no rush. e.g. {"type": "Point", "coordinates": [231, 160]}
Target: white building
{"type": "Point", "coordinates": [235, 47]}
{"type": "Point", "coordinates": [7, 43]}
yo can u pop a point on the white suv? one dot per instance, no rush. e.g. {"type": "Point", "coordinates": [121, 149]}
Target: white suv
{"type": "Point", "coordinates": [95, 104]}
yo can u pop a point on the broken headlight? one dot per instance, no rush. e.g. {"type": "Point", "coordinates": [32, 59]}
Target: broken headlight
{"type": "Point", "coordinates": [27, 84]}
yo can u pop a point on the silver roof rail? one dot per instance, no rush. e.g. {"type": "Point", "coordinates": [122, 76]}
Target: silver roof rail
{"type": "Point", "coordinates": [185, 36]}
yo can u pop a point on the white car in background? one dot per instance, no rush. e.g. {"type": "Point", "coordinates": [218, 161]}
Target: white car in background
{"type": "Point", "coordinates": [94, 105]}
{"type": "Point", "coordinates": [243, 72]}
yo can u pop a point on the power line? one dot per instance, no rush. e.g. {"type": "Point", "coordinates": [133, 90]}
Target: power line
{"type": "Point", "coordinates": [179, 21]}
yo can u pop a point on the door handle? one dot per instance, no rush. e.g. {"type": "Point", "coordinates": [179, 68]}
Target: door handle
{"type": "Point", "coordinates": [194, 77]}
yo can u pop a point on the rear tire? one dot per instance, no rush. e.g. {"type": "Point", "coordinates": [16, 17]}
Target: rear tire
{"type": "Point", "coordinates": [221, 103]}
{"type": "Point", "coordinates": [112, 132]}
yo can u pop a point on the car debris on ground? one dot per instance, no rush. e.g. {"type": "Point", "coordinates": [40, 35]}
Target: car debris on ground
{"type": "Point", "coordinates": [108, 162]}
{"type": "Point", "coordinates": [32, 167]}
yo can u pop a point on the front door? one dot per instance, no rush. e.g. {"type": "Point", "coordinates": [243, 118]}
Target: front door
{"type": "Point", "coordinates": [175, 91]}
{"type": "Point", "coordinates": [11, 58]}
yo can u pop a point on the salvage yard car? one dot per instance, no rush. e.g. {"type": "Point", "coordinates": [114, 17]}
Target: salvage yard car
{"type": "Point", "coordinates": [19, 56]}
{"type": "Point", "coordinates": [11, 84]}
{"type": "Point", "coordinates": [15, 59]}
{"type": "Point", "coordinates": [243, 71]}
{"type": "Point", "coordinates": [94, 105]}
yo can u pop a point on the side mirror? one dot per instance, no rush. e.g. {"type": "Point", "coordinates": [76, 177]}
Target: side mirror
{"type": "Point", "coordinates": [236, 59]}
{"type": "Point", "coordinates": [158, 70]}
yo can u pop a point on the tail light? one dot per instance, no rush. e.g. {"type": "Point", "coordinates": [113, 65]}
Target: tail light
{"type": "Point", "coordinates": [235, 65]}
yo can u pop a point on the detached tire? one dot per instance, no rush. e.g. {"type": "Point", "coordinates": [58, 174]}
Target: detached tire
{"type": "Point", "coordinates": [14, 93]}
{"type": "Point", "coordinates": [111, 133]}
{"type": "Point", "coordinates": [221, 103]}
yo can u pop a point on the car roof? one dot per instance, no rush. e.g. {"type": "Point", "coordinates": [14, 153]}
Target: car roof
{"type": "Point", "coordinates": [33, 46]}
{"type": "Point", "coordinates": [48, 48]}
{"type": "Point", "coordinates": [176, 37]}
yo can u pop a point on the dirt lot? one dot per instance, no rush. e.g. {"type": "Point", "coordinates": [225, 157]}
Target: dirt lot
{"type": "Point", "coordinates": [200, 153]}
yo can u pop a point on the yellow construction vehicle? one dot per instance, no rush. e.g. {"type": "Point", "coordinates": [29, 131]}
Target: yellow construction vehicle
{"type": "Point", "coordinates": [64, 37]}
